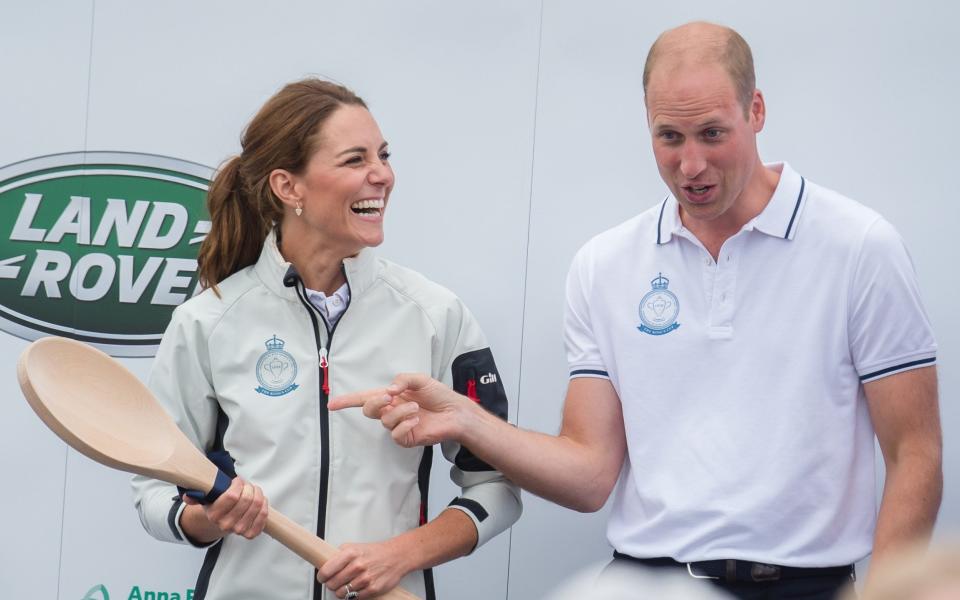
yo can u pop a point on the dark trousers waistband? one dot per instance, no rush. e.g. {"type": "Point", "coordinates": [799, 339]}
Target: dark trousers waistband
{"type": "Point", "coordinates": [731, 570]}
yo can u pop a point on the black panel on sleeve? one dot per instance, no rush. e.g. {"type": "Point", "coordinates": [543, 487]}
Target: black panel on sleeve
{"type": "Point", "coordinates": [472, 505]}
{"type": "Point", "coordinates": [475, 375]}
{"type": "Point", "coordinates": [172, 517]}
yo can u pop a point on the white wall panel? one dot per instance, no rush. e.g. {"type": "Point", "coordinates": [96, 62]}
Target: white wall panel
{"type": "Point", "coordinates": [44, 59]}
{"type": "Point", "coordinates": [33, 463]}
{"type": "Point", "coordinates": [44, 53]}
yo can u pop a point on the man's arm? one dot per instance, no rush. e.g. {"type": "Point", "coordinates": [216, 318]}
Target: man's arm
{"type": "Point", "coordinates": [577, 468]}
{"type": "Point", "coordinates": [906, 417]}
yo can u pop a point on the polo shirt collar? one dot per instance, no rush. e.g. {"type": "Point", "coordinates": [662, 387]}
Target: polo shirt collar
{"type": "Point", "coordinates": [778, 218]}
{"type": "Point", "coordinates": [668, 223]}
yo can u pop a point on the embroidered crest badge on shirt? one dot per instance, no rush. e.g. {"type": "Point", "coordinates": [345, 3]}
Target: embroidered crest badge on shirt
{"type": "Point", "coordinates": [276, 369]}
{"type": "Point", "coordinates": [659, 308]}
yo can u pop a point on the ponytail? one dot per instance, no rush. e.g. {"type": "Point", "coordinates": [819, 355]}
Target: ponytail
{"type": "Point", "coordinates": [237, 229]}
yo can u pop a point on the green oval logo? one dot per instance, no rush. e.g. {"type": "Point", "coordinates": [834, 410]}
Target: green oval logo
{"type": "Point", "coordinates": [99, 246]}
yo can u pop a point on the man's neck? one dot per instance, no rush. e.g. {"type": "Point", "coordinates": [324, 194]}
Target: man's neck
{"type": "Point", "coordinates": [753, 199]}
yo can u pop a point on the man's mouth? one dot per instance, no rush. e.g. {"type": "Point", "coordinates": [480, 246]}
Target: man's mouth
{"type": "Point", "coordinates": [697, 192]}
{"type": "Point", "coordinates": [368, 207]}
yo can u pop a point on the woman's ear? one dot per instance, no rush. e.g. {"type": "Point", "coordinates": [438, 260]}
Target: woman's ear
{"type": "Point", "coordinates": [283, 183]}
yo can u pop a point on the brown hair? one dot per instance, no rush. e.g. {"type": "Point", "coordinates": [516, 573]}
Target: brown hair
{"type": "Point", "coordinates": [243, 208]}
{"type": "Point", "coordinates": [728, 48]}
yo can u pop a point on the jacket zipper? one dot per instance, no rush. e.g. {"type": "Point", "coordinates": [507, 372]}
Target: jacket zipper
{"type": "Point", "coordinates": [323, 355]}
{"type": "Point", "coordinates": [324, 369]}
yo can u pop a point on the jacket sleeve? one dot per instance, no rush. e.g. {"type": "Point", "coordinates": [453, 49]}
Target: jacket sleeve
{"type": "Point", "coordinates": [180, 381]}
{"type": "Point", "coordinates": [487, 497]}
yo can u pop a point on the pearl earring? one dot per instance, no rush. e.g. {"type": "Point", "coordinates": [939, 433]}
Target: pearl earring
{"type": "Point", "coordinates": [299, 209]}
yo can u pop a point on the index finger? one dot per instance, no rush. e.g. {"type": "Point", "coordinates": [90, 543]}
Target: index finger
{"type": "Point", "coordinates": [371, 401]}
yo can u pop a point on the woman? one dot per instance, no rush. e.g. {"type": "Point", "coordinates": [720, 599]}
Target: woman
{"type": "Point", "coordinates": [296, 309]}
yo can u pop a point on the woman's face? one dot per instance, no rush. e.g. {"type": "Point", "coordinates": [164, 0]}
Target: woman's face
{"type": "Point", "coordinates": [347, 182]}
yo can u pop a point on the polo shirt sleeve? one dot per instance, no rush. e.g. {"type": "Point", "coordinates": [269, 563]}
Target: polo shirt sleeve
{"type": "Point", "coordinates": [583, 352]}
{"type": "Point", "coordinates": [889, 331]}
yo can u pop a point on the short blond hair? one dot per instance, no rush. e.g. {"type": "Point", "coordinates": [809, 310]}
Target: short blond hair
{"type": "Point", "coordinates": [723, 45]}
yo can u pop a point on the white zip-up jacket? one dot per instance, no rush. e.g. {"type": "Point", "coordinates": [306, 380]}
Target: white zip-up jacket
{"type": "Point", "coordinates": [247, 372]}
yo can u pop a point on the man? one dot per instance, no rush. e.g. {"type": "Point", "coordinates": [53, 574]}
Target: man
{"type": "Point", "coordinates": [733, 351]}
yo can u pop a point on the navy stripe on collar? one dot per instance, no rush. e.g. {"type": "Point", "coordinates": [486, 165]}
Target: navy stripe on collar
{"type": "Point", "coordinates": [796, 208]}
{"type": "Point", "coordinates": [660, 220]}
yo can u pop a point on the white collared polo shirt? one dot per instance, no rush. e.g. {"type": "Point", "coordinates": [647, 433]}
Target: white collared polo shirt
{"type": "Point", "coordinates": [741, 379]}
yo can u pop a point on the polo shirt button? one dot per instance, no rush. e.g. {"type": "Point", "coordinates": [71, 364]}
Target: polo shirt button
{"type": "Point", "coordinates": [336, 300]}
{"type": "Point", "coordinates": [707, 262]}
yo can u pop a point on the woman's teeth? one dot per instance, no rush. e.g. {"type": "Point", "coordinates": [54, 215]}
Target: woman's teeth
{"type": "Point", "coordinates": [367, 206]}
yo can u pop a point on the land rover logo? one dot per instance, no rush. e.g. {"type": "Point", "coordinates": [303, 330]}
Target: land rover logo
{"type": "Point", "coordinates": [99, 246]}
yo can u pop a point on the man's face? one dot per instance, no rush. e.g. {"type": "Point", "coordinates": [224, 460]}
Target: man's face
{"type": "Point", "coordinates": [705, 147]}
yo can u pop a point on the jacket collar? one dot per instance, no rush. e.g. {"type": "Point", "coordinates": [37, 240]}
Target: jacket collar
{"type": "Point", "coordinates": [275, 272]}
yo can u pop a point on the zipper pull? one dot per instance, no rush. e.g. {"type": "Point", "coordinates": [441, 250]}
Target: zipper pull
{"type": "Point", "coordinates": [326, 374]}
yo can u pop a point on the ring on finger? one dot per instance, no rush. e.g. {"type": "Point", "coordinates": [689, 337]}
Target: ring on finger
{"type": "Point", "coordinates": [351, 594]}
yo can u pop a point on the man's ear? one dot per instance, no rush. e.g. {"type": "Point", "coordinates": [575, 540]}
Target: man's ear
{"type": "Point", "coordinates": [758, 111]}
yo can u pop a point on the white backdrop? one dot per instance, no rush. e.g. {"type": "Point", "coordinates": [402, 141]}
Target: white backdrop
{"type": "Point", "coordinates": [518, 132]}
